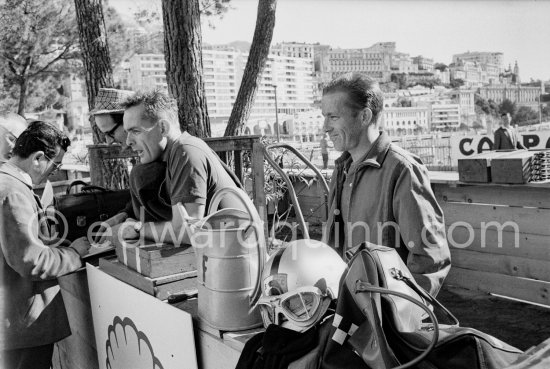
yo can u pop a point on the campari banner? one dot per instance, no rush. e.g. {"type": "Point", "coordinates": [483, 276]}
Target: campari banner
{"type": "Point", "coordinates": [466, 146]}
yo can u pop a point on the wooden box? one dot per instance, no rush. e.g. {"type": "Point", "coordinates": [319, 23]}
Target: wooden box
{"type": "Point", "coordinates": [157, 260]}
{"type": "Point", "coordinates": [513, 167]}
{"type": "Point", "coordinates": [160, 287]}
{"type": "Point", "coordinates": [477, 168]}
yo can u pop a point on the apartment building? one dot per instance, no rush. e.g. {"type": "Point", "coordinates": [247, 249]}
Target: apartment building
{"type": "Point", "coordinates": [521, 95]}
{"type": "Point", "coordinates": [444, 116]}
{"type": "Point", "coordinates": [405, 119]}
{"type": "Point", "coordinates": [483, 57]}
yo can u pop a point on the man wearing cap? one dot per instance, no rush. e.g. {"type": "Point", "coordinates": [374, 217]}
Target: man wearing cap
{"type": "Point", "coordinates": [108, 114]}
{"type": "Point", "coordinates": [11, 126]}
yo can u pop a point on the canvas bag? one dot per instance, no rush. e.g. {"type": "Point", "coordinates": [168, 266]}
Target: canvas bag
{"type": "Point", "coordinates": [75, 213]}
{"type": "Point", "coordinates": [376, 275]}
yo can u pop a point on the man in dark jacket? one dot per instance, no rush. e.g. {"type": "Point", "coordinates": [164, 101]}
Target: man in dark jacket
{"type": "Point", "coordinates": [506, 137]}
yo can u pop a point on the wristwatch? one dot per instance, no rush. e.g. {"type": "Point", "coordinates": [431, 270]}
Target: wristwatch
{"type": "Point", "coordinates": [137, 227]}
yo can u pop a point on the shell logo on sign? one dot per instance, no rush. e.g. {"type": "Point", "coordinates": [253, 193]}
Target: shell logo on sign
{"type": "Point", "coordinates": [127, 347]}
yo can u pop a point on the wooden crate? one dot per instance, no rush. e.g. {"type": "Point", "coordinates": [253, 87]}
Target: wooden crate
{"type": "Point", "coordinates": [513, 167]}
{"type": "Point", "coordinates": [160, 287]}
{"type": "Point", "coordinates": [477, 168]}
{"type": "Point", "coordinates": [499, 238]}
{"type": "Point", "coordinates": [157, 260]}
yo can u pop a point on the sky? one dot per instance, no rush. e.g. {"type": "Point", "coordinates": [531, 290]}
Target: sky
{"type": "Point", "coordinates": [432, 28]}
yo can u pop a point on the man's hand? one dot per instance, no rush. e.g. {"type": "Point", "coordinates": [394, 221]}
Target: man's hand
{"type": "Point", "coordinates": [103, 233]}
{"type": "Point", "coordinates": [81, 246]}
{"type": "Point", "coordinates": [125, 231]}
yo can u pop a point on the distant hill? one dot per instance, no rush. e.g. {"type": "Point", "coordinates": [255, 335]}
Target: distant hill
{"type": "Point", "coordinates": [243, 46]}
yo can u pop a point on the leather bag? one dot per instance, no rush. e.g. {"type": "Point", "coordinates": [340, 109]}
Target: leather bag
{"type": "Point", "coordinates": [394, 333]}
{"type": "Point", "coordinates": [75, 213]}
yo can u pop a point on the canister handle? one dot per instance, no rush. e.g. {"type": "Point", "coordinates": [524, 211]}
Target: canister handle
{"type": "Point", "coordinates": [256, 224]}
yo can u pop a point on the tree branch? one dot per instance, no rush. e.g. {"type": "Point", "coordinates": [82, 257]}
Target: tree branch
{"type": "Point", "coordinates": [59, 57]}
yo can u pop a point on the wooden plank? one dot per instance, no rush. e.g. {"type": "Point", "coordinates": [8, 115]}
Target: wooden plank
{"type": "Point", "coordinates": [528, 220]}
{"type": "Point", "coordinates": [513, 167]}
{"type": "Point", "coordinates": [501, 264]}
{"type": "Point", "coordinates": [258, 179]}
{"type": "Point", "coordinates": [477, 168]}
{"type": "Point", "coordinates": [238, 158]}
{"type": "Point", "coordinates": [516, 287]}
{"type": "Point", "coordinates": [490, 241]}
{"type": "Point", "coordinates": [231, 143]}
{"type": "Point", "coordinates": [161, 287]}
{"type": "Point", "coordinates": [499, 195]}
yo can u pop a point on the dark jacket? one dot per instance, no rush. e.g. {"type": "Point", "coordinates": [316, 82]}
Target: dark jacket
{"type": "Point", "coordinates": [507, 139]}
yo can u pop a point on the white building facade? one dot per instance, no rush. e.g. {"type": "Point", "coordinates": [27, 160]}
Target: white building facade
{"type": "Point", "coordinates": [285, 78]}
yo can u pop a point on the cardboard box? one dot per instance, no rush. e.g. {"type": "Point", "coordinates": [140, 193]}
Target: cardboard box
{"type": "Point", "coordinates": [477, 168]}
{"type": "Point", "coordinates": [161, 287]}
{"type": "Point", "coordinates": [157, 260]}
{"type": "Point", "coordinates": [513, 167]}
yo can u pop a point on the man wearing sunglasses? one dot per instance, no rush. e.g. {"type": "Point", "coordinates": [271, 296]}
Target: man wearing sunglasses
{"type": "Point", "coordinates": [11, 126]}
{"type": "Point", "coordinates": [108, 114]}
{"type": "Point", "coordinates": [32, 312]}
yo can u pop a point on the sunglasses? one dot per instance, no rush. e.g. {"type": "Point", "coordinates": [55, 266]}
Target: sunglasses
{"type": "Point", "coordinates": [111, 132]}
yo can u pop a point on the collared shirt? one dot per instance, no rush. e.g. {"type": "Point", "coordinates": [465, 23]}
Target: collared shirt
{"type": "Point", "coordinates": [23, 176]}
{"type": "Point", "coordinates": [386, 199]}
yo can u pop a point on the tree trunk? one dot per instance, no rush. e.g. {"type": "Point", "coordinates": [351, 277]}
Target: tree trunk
{"type": "Point", "coordinates": [23, 84]}
{"type": "Point", "coordinates": [183, 56]}
{"type": "Point", "coordinates": [95, 53]}
{"type": "Point", "coordinates": [265, 22]}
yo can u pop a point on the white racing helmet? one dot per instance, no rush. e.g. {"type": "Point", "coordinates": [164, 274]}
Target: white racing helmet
{"type": "Point", "coordinates": [299, 282]}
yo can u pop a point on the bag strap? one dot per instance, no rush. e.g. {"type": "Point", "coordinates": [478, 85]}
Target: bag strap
{"type": "Point", "coordinates": [85, 187]}
{"type": "Point", "coordinates": [397, 274]}
{"type": "Point", "coordinates": [361, 286]}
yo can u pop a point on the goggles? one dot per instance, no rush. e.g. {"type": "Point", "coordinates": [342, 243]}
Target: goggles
{"type": "Point", "coordinates": [302, 307]}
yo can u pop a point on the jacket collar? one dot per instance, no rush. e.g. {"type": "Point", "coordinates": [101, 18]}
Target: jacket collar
{"type": "Point", "coordinates": [11, 170]}
{"type": "Point", "coordinates": [374, 157]}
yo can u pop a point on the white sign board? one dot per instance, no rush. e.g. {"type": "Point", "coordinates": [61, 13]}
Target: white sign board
{"type": "Point", "coordinates": [135, 330]}
{"type": "Point", "coordinates": [465, 146]}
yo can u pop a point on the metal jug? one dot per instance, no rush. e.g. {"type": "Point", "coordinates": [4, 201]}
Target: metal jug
{"type": "Point", "coordinates": [230, 249]}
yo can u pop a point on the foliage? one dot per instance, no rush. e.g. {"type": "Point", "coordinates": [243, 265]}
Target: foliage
{"type": "Point", "coordinates": [456, 82]}
{"type": "Point", "coordinates": [388, 87]}
{"type": "Point", "coordinates": [463, 127]}
{"type": "Point", "coordinates": [118, 36]}
{"type": "Point", "coordinates": [488, 107]}
{"type": "Point", "coordinates": [151, 18]}
{"type": "Point", "coordinates": [507, 106]}
{"type": "Point", "coordinates": [38, 42]}
{"type": "Point", "coordinates": [400, 79]}
{"type": "Point", "coordinates": [403, 102]}
{"type": "Point", "coordinates": [477, 125]}
{"type": "Point", "coordinates": [440, 66]}
{"type": "Point", "coordinates": [525, 116]}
